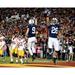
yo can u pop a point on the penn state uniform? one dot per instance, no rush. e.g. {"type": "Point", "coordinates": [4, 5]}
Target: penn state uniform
{"type": "Point", "coordinates": [52, 40]}
{"type": "Point", "coordinates": [32, 30]}
{"type": "Point", "coordinates": [31, 38]}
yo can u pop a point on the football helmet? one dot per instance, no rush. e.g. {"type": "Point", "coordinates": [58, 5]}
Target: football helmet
{"type": "Point", "coordinates": [31, 21]}
{"type": "Point", "coordinates": [54, 20]}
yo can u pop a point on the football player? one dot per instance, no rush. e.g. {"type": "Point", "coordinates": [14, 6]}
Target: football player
{"type": "Point", "coordinates": [21, 47]}
{"type": "Point", "coordinates": [31, 34]}
{"type": "Point", "coordinates": [2, 45]}
{"type": "Point", "coordinates": [14, 47]}
{"type": "Point", "coordinates": [53, 42]}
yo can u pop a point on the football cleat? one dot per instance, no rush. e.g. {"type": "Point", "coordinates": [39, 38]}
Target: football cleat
{"type": "Point", "coordinates": [11, 62]}
{"type": "Point", "coordinates": [16, 61]}
{"type": "Point", "coordinates": [55, 61]}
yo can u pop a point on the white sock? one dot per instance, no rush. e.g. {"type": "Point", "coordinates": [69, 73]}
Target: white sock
{"type": "Point", "coordinates": [11, 59]}
{"type": "Point", "coordinates": [16, 60]}
{"type": "Point", "coordinates": [30, 51]}
{"type": "Point", "coordinates": [21, 60]}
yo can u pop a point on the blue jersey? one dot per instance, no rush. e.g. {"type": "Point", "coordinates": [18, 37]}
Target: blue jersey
{"type": "Point", "coordinates": [53, 30]}
{"type": "Point", "coordinates": [32, 30]}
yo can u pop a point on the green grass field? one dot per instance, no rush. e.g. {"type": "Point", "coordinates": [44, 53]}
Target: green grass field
{"type": "Point", "coordinates": [7, 60]}
{"type": "Point", "coordinates": [38, 62]}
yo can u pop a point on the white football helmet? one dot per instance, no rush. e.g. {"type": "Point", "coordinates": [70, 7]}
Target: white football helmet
{"type": "Point", "coordinates": [31, 21]}
{"type": "Point", "coordinates": [54, 20]}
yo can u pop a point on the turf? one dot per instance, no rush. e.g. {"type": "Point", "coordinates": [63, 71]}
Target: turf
{"type": "Point", "coordinates": [38, 62]}
{"type": "Point", "coordinates": [7, 60]}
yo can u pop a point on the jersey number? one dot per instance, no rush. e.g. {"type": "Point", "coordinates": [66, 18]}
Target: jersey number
{"type": "Point", "coordinates": [54, 30]}
{"type": "Point", "coordinates": [33, 30]}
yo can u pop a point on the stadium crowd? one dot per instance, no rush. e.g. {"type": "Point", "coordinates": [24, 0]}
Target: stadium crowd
{"type": "Point", "coordinates": [15, 20]}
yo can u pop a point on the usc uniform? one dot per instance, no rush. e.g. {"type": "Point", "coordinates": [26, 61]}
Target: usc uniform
{"type": "Point", "coordinates": [2, 45]}
{"type": "Point", "coordinates": [13, 46]}
{"type": "Point", "coordinates": [21, 47]}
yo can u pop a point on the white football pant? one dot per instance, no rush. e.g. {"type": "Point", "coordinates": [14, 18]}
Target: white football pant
{"type": "Point", "coordinates": [53, 42]}
{"type": "Point", "coordinates": [31, 45]}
